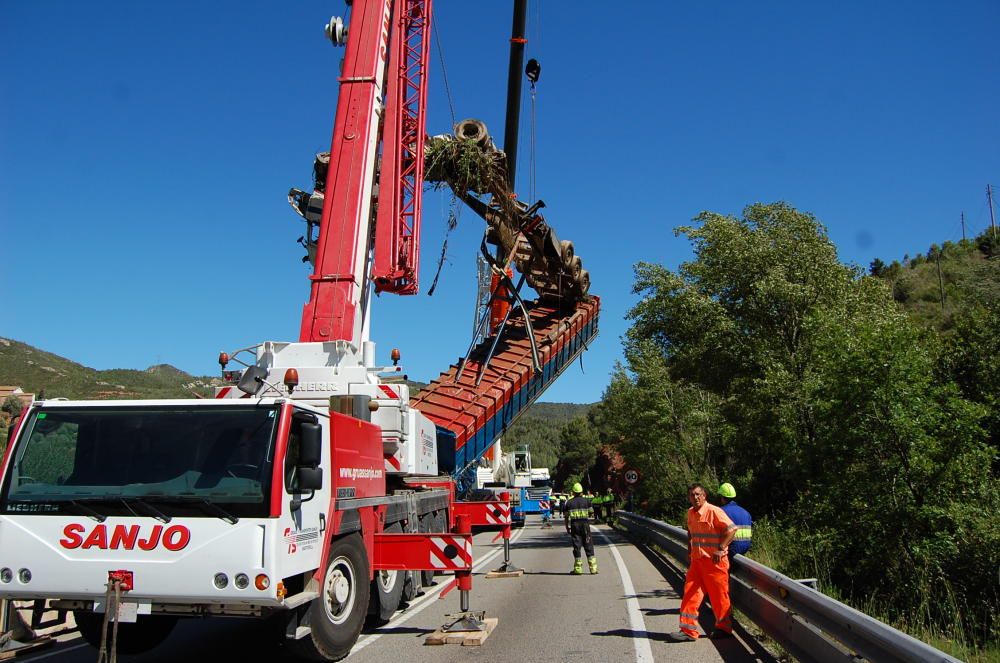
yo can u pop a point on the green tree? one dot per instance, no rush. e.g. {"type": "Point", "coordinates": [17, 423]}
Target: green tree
{"type": "Point", "coordinates": [739, 322]}
{"type": "Point", "coordinates": [578, 445]}
{"type": "Point", "coordinates": [972, 360]}
{"type": "Point", "coordinates": [877, 267]}
{"type": "Point", "coordinates": [671, 430]}
{"type": "Point", "coordinates": [830, 407]}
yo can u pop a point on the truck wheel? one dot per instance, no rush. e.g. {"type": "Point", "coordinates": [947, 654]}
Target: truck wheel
{"type": "Point", "coordinates": [387, 588]}
{"type": "Point", "coordinates": [411, 589]}
{"type": "Point", "coordinates": [426, 525]}
{"type": "Point", "coordinates": [436, 522]}
{"type": "Point", "coordinates": [567, 252]}
{"type": "Point", "coordinates": [335, 617]}
{"type": "Point", "coordinates": [133, 637]}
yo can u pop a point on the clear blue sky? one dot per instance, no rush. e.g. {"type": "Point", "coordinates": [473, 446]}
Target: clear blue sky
{"type": "Point", "coordinates": [146, 149]}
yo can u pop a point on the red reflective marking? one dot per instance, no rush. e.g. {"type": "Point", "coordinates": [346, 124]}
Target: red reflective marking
{"type": "Point", "coordinates": [439, 553]}
{"type": "Point", "coordinates": [388, 391]}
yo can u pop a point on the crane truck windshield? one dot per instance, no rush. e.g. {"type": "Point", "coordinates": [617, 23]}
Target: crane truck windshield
{"type": "Point", "coordinates": [161, 461]}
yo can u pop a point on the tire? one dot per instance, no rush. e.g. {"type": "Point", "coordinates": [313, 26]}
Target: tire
{"type": "Point", "coordinates": [567, 253]}
{"type": "Point", "coordinates": [411, 588]}
{"type": "Point", "coordinates": [426, 524]}
{"type": "Point", "coordinates": [133, 637]}
{"type": "Point", "coordinates": [335, 618]}
{"type": "Point", "coordinates": [576, 266]}
{"type": "Point", "coordinates": [436, 522]}
{"type": "Point", "coordinates": [387, 588]}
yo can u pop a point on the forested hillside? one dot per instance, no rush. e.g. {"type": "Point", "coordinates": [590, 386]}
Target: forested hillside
{"type": "Point", "coordinates": [857, 416]}
{"type": "Point", "coordinates": [938, 287]}
{"type": "Point", "coordinates": [38, 371]}
{"type": "Point", "coordinates": [540, 428]}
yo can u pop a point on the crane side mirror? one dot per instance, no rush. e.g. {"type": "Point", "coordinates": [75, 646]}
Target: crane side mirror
{"type": "Point", "coordinates": [252, 381]}
{"type": "Point", "coordinates": [311, 449]}
{"type": "Point", "coordinates": [310, 478]}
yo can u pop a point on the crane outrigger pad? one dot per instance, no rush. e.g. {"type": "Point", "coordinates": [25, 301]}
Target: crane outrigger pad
{"type": "Point", "coordinates": [464, 638]}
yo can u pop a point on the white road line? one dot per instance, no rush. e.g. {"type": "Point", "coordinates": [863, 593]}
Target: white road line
{"type": "Point", "coordinates": [425, 600]}
{"type": "Point", "coordinates": [643, 652]}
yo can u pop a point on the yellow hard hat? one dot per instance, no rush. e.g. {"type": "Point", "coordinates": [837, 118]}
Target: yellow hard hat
{"type": "Point", "coordinates": [577, 488]}
{"type": "Point", "coordinates": [726, 490]}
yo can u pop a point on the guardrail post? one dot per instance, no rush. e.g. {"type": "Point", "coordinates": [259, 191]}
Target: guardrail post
{"type": "Point", "coordinates": [811, 583]}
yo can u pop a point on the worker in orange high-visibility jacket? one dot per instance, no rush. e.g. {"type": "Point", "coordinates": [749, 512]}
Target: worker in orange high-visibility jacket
{"type": "Point", "coordinates": [710, 531]}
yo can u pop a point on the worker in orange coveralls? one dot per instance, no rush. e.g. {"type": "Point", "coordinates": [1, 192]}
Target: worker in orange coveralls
{"type": "Point", "coordinates": [710, 531]}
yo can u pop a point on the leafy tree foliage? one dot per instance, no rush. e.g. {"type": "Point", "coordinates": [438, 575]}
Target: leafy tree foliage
{"type": "Point", "coordinates": [541, 429]}
{"type": "Point", "coordinates": [767, 361]}
{"type": "Point", "coordinates": [578, 445]}
{"type": "Point", "coordinates": [972, 362]}
{"type": "Point", "coordinates": [877, 267]}
{"type": "Point", "coordinates": [10, 409]}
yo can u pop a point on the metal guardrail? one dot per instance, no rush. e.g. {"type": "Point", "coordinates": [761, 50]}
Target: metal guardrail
{"type": "Point", "coordinates": [808, 624]}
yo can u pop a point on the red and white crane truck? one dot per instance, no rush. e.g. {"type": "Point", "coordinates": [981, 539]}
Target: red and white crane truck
{"type": "Point", "coordinates": [312, 492]}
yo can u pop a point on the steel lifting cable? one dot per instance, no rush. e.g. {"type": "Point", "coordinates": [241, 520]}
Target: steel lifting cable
{"type": "Point", "coordinates": [532, 167]}
{"type": "Point", "coordinates": [454, 210]}
{"type": "Point", "coordinates": [536, 27]}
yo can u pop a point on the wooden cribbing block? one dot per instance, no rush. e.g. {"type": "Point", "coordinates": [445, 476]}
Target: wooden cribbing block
{"type": "Point", "coordinates": [505, 574]}
{"type": "Point", "coordinates": [27, 648]}
{"type": "Point", "coordinates": [464, 638]}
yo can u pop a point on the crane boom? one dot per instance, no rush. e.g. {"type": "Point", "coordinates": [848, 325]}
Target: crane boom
{"type": "Point", "coordinates": [397, 227]}
{"type": "Point", "coordinates": [339, 284]}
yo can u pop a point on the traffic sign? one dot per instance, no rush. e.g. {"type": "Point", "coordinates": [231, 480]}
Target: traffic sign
{"type": "Point", "coordinates": [632, 477]}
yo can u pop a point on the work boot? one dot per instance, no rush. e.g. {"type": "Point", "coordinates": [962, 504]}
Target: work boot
{"type": "Point", "coordinates": [593, 565]}
{"type": "Point", "coordinates": [578, 567]}
{"type": "Point", "coordinates": [679, 636]}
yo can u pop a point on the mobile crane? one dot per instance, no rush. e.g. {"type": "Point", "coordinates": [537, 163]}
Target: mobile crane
{"type": "Point", "coordinates": [310, 491]}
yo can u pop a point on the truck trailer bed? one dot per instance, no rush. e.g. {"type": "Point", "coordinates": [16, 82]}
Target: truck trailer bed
{"type": "Point", "coordinates": [470, 417]}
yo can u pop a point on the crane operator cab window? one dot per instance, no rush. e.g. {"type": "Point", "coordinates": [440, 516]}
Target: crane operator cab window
{"type": "Point", "coordinates": [170, 460]}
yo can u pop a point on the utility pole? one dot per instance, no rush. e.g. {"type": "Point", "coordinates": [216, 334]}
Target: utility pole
{"type": "Point", "coordinates": [989, 200]}
{"type": "Point", "coordinates": [963, 226]}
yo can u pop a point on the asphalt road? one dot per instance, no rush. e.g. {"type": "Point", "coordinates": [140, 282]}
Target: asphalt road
{"type": "Point", "coordinates": [621, 614]}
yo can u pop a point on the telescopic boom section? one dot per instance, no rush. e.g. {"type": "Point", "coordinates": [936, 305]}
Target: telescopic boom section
{"type": "Point", "coordinates": [340, 279]}
{"type": "Point", "coordinates": [397, 229]}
